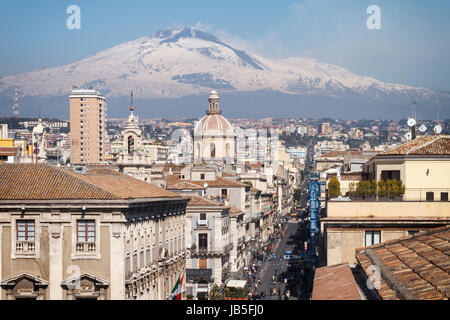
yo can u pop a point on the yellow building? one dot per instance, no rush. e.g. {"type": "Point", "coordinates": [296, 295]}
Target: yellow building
{"type": "Point", "coordinates": [423, 165]}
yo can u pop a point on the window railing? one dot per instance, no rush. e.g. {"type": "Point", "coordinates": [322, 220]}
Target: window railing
{"type": "Point", "coordinates": [25, 247]}
{"type": "Point", "coordinates": [411, 194]}
{"type": "Point", "coordinates": [85, 247]}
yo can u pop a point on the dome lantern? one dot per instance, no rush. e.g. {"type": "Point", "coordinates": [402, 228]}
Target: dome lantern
{"type": "Point", "coordinates": [213, 103]}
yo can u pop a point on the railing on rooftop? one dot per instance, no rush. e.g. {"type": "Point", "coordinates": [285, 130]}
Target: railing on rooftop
{"type": "Point", "coordinates": [411, 194]}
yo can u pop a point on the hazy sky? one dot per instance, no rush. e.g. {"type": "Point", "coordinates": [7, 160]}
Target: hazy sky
{"type": "Point", "coordinates": [412, 47]}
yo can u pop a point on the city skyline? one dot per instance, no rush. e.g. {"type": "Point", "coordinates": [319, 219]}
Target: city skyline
{"type": "Point", "coordinates": [411, 33]}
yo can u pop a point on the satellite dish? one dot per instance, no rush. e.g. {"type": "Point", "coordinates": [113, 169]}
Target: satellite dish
{"type": "Point", "coordinates": [205, 185]}
{"type": "Point", "coordinates": [423, 128]}
{"type": "Point", "coordinates": [408, 136]}
{"type": "Point", "coordinates": [437, 129]}
{"type": "Point", "coordinates": [411, 122]}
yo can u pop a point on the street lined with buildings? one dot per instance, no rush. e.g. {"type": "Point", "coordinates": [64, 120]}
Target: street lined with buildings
{"type": "Point", "coordinates": [218, 211]}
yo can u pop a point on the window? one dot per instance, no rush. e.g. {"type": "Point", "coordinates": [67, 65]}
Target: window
{"type": "Point", "coordinates": [25, 230]}
{"type": "Point", "coordinates": [203, 241]}
{"type": "Point", "coordinates": [444, 196]}
{"type": "Point", "coordinates": [373, 237]}
{"type": "Point", "coordinates": [224, 193]}
{"type": "Point", "coordinates": [390, 174]}
{"type": "Point", "coordinates": [212, 148]}
{"type": "Point", "coordinates": [202, 176]}
{"type": "Point", "coordinates": [86, 231]}
{"type": "Point", "coordinates": [202, 216]}
{"type": "Point", "coordinates": [430, 196]}
{"type": "Point", "coordinates": [412, 232]}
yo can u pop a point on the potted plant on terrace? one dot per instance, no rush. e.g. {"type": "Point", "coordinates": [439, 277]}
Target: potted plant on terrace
{"type": "Point", "coordinates": [390, 188]}
{"type": "Point", "coordinates": [398, 190]}
{"type": "Point", "coordinates": [354, 191]}
{"type": "Point", "coordinates": [382, 191]}
{"type": "Point", "coordinates": [363, 189]}
{"type": "Point", "coordinates": [334, 188]}
{"type": "Point", "coordinates": [371, 190]}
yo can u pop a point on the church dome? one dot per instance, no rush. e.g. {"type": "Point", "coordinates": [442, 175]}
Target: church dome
{"type": "Point", "coordinates": [213, 123]}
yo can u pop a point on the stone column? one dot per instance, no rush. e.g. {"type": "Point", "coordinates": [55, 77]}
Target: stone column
{"type": "Point", "coordinates": [117, 265]}
{"type": "Point", "coordinates": [56, 268]}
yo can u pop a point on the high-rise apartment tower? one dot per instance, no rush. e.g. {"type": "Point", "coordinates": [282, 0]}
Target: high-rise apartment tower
{"type": "Point", "coordinates": [87, 126]}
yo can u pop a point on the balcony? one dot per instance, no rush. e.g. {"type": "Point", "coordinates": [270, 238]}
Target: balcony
{"type": "Point", "coordinates": [202, 223]}
{"type": "Point", "coordinates": [85, 247]}
{"type": "Point", "coordinates": [199, 275]}
{"type": "Point", "coordinates": [25, 247]}
{"type": "Point", "coordinates": [204, 252]}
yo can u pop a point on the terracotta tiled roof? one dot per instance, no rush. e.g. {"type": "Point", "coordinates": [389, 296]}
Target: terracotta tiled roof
{"type": "Point", "coordinates": [220, 182]}
{"type": "Point", "coordinates": [126, 187]}
{"type": "Point", "coordinates": [172, 179]}
{"type": "Point", "coordinates": [45, 182]}
{"type": "Point", "coordinates": [235, 211]}
{"type": "Point", "coordinates": [415, 267]}
{"type": "Point", "coordinates": [196, 200]}
{"type": "Point", "coordinates": [348, 153]}
{"type": "Point", "coordinates": [335, 282]}
{"type": "Point", "coordinates": [424, 145]}
{"type": "Point", "coordinates": [184, 185]}
{"type": "Point", "coordinates": [104, 171]}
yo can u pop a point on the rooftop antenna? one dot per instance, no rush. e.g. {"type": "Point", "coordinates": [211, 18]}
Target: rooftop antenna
{"type": "Point", "coordinates": [16, 104]}
{"type": "Point", "coordinates": [413, 109]}
{"type": "Point", "coordinates": [437, 128]}
{"type": "Point", "coordinates": [438, 107]}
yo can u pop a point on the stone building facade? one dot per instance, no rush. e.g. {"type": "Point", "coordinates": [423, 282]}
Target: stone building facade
{"type": "Point", "coordinates": [97, 234]}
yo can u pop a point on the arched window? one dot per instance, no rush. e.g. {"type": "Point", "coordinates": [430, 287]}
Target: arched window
{"type": "Point", "coordinates": [212, 149]}
{"type": "Point", "coordinates": [130, 145]}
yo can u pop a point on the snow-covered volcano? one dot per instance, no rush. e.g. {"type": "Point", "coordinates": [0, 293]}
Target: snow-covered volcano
{"type": "Point", "coordinates": [174, 63]}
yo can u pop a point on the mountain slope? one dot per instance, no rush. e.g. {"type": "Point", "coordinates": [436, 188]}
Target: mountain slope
{"type": "Point", "coordinates": [175, 63]}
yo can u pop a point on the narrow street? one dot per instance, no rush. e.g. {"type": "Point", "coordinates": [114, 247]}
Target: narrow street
{"type": "Point", "coordinates": [274, 278]}
{"type": "Point", "coordinates": [273, 268]}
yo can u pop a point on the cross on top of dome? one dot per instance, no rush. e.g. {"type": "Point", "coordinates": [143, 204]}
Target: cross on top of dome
{"type": "Point", "coordinates": [213, 103]}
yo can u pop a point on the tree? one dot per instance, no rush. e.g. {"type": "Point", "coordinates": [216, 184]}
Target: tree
{"type": "Point", "coordinates": [334, 187]}
{"type": "Point", "coordinates": [216, 293]}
